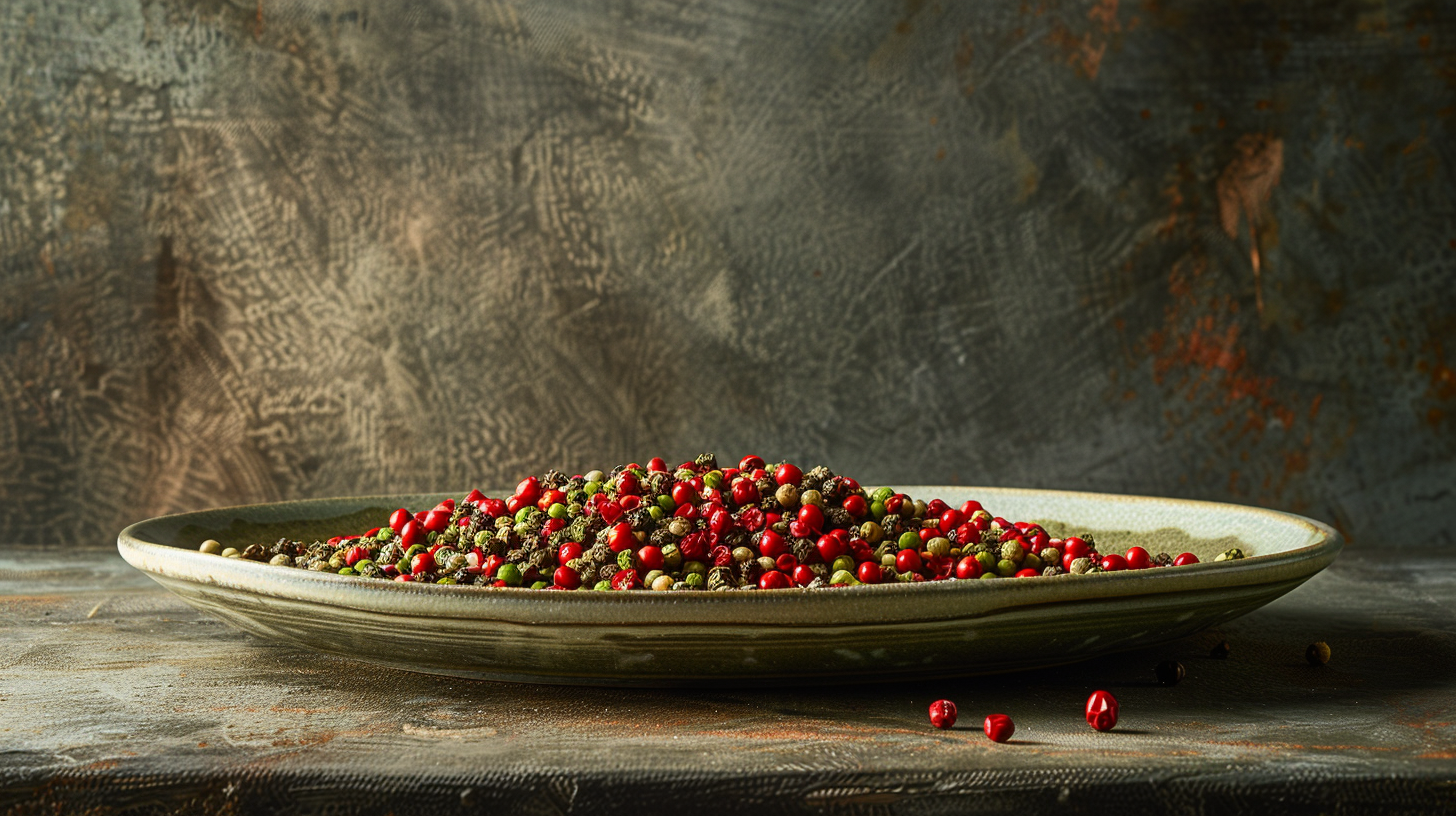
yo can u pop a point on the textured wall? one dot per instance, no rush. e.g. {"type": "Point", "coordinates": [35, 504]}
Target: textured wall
{"type": "Point", "coordinates": [261, 250]}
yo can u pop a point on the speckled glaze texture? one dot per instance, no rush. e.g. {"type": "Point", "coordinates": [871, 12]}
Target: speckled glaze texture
{"type": "Point", "coordinates": [841, 635]}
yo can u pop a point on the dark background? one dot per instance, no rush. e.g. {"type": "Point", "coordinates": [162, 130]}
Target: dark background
{"type": "Point", "coordinates": [253, 251]}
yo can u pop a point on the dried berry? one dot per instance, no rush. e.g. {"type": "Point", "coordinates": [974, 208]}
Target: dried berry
{"type": "Point", "coordinates": [999, 727]}
{"type": "Point", "coordinates": [1220, 651]}
{"type": "Point", "coordinates": [1102, 711]}
{"type": "Point", "coordinates": [1169, 672]}
{"type": "Point", "coordinates": [1318, 653]}
{"type": "Point", "coordinates": [942, 714]}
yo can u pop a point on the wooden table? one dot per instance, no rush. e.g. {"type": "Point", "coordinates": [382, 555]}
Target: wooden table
{"type": "Point", "coordinates": [117, 698]}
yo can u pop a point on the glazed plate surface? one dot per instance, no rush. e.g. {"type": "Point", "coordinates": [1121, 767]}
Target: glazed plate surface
{"type": "Point", "coordinates": [780, 637]}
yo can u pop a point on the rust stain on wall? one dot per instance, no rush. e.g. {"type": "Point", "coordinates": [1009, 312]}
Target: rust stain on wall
{"type": "Point", "coordinates": [1244, 190]}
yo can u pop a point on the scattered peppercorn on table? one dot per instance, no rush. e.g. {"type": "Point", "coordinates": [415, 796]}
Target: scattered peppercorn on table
{"type": "Point", "coordinates": [118, 697]}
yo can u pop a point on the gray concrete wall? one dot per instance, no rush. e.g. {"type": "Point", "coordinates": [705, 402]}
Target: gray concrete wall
{"type": "Point", "coordinates": [259, 250]}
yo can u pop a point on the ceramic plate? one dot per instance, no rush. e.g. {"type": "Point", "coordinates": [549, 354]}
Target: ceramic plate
{"type": "Point", "coordinates": [841, 635]}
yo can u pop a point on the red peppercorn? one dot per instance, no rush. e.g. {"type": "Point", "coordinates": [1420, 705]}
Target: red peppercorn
{"type": "Point", "coordinates": [398, 518]}
{"type": "Point", "coordinates": [687, 511]}
{"type": "Point", "coordinates": [1075, 547]}
{"type": "Point", "coordinates": [970, 507]}
{"type": "Point", "coordinates": [422, 562]}
{"type": "Point", "coordinates": [474, 497]}
{"type": "Point", "coordinates": [437, 520]}
{"type": "Point", "coordinates": [627, 484]}
{"type": "Point", "coordinates": [720, 522]}
{"type": "Point", "coordinates": [695, 546]}
{"type": "Point", "coordinates": [551, 526]}
{"type": "Point", "coordinates": [927, 533]}
{"type": "Point", "coordinates": [625, 579]}
{"type": "Point", "coordinates": [630, 502]}
{"type": "Point", "coordinates": [620, 537]}
{"type": "Point", "coordinates": [568, 551]}
{"type": "Point", "coordinates": [892, 504]}
{"type": "Point", "coordinates": [868, 573]}
{"type": "Point", "coordinates": [968, 568]}
{"type": "Point", "coordinates": [744, 492]}
{"type": "Point", "coordinates": [1027, 573]}
{"type": "Point", "coordinates": [951, 519]}
{"type": "Point", "coordinates": [610, 511]}
{"type": "Point", "coordinates": [1185, 559]}
{"type": "Point", "coordinates": [495, 508]}
{"type": "Point", "coordinates": [786, 562]}
{"type": "Point", "coordinates": [788, 474]}
{"type": "Point", "coordinates": [411, 534]}
{"type": "Point", "coordinates": [829, 548]}
{"type": "Point", "coordinates": [656, 465]}
{"type": "Point", "coordinates": [1038, 540]}
{"type": "Point", "coordinates": [515, 503]}
{"type": "Point", "coordinates": [908, 561]}
{"type": "Point", "coordinates": [1102, 711]}
{"type": "Point", "coordinates": [803, 576]}
{"type": "Point", "coordinates": [492, 563]}
{"type": "Point", "coordinates": [942, 714]}
{"type": "Point", "coordinates": [403, 578]}
{"type": "Point", "coordinates": [812, 517]}
{"type": "Point", "coordinates": [1113, 563]}
{"type": "Point", "coordinates": [355, 554]}
{"type": "Point", "coordinates": [722, 556]}
{"type": "Point", "coordinates": [651, 557]}
{"type": "Point", "coordinates": [682, 493]}
{"type": "Point", "coordinates": [855, 505]}
{"type": "Point", "coordinates": [772, 544]}
{"type": "Point", "coordinates": [566, 578]}
{"type": "Point", "coordinates": [750, 462]}
{"type": "Point", "coordinates": [463, 522]}
{"type": "Point", "coordinates": [529, 490]}
{"type": "Point", "coordinates": [773, 579]}
{"type": "Point", "coordinates": [799, 529]}
{"type": "Point", "coordinates": [1137, 558]}
{"type": "Point", "coordinates": [999, 727]}
{"type": "Point", "coordinates": [936, 508]}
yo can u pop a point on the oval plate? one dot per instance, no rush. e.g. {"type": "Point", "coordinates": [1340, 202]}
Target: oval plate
{"type": "Point", "coordinates": [841, 635]}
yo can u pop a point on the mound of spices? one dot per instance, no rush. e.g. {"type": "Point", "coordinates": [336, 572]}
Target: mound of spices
{"type": "Point", "coordinates": [700, 526]}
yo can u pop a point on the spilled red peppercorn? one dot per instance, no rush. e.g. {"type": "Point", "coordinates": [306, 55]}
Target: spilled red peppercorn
{"type": "Point", "coordinates": [942, 714]}
{"type": "Point", "coordinates": [1102, 711]}
{"type": "Point", "coordinates": [998, 727]}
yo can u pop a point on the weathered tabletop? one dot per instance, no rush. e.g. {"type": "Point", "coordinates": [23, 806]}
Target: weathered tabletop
{"type": "Point", "coordinates": [115, 697]}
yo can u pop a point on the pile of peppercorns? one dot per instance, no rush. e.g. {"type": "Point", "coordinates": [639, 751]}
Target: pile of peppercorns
{"type": "Point", "coordinates": [699, 526]}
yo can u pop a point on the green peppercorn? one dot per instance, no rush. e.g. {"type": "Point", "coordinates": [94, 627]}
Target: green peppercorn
{"type": "Point", "coordinates": [210, 547]}
{"type": "Point", "coordinates": [523, 514]}
{"type": "Point", "coordinates": [626, 560]}
{"type": "Point", "coordinates": [592, 487]}
{"type": "Point", "coordinates": [916, 511]}
{"type": "Point", "coordinates": [877, 509]}
{"type": "Point", "coordinates": [347, 571]}
{"type": "Point", "coordinates": [450, 533]}
{"type": "Point", "coordinates": [657, 513]}
{"type": "Point", "coordinates": [537, 585]}
{"type": "Point", "coordinates": [482, 538]}
{"type": "Point", "coordinates": [402, 566]}
{"type": "Point", "coordinates": [1012, 551]}
{"type": "Point", "coordinates": [653, 575]}
{"type": "Point", "coordinates": [442, 555]}
{"type": "Point", "coordinates": [843, 562]}
{"type": "Point", "coordinates": [557, 510]}
{"type": "Point", "coordinates": [872, 532]}
{"type": "Point", "coordinates": [454, 563]}
{"type": "Point", "coordinates": [767, 563]}
{"type": "Point", "coordinates": [887, 560]}
{"type": "Point", "coordinates": [987, 576]}
{"type": "Point", "coordinates": [909, 541]}
{"type": "Point", "coordinates": [812, 497]}
{"type": "Point", "coordinates": [336, 561]}
{"type": "Point", "coordinates": [713, 479]}
{"type": "Point", "coordinates": [1318, 653]}
{"type": "Point", "coordinates": [788, 496]}
{"type": "Point", "coordinates": [603, 586]}
{"type": "Point", "coordinates": [882, 493]}
{"type": "Point", "coordinates": [843, 577]}
{"type": "Point", "coordinates": [696, 580]}
{"type": "Point", "coordinates": [938, 546]}
{"type": "Point", "coordinates": [446, 580]}
{"type": "Point", "coordinates": [384, 534]}
{"type": "Point", "coordinates": [594, 476]}
{"type": "Point", "coordinates": [666, 503]}
{"type": "Point", "coordinates": [510, 573]}
{"type": "Point", "coordinates": [1031, 561]}
{"type": "Point", "coordinates": [695, 567]}
{"type": "Point", "coordinates": [987, 562]}
{"type": "Point", "coordinates": [1231, 554]}
{"type": "Point", "coordinates": [1006, 568]}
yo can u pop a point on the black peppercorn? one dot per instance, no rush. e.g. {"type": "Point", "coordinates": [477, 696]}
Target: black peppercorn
{"type": "Point", "coordinates": [1318, 653]}
{"type": "Point", "coordinates": [1220, 651]}
{"type": "Point", "coordinates": [1169, 672]}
